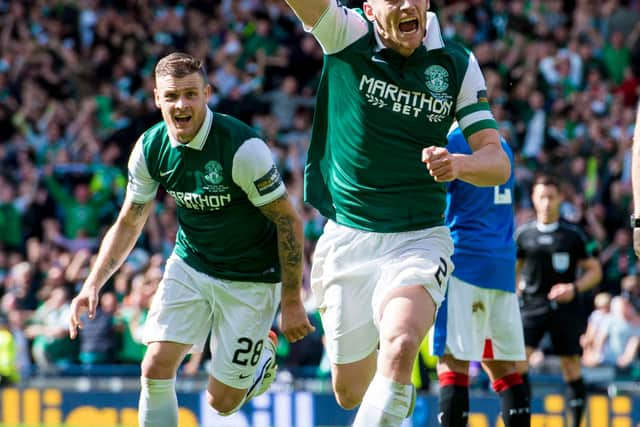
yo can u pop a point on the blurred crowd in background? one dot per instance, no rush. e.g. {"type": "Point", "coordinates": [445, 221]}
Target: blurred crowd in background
{"type": "Point", "coordinates": [76, 91]}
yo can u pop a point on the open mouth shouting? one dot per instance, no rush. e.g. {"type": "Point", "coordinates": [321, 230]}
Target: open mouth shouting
{"type": "Point", "coordinates": [408, 25]}
{"type": "Point", "coordinates": [182, 119]}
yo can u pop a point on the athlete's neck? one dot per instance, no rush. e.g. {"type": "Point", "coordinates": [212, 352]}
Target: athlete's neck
{"type": "Point", "coordinates": [547, 227]}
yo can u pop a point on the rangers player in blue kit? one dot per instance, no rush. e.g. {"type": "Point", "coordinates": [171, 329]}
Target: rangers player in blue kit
{"type": "Point", "coordinates": [480, 317]}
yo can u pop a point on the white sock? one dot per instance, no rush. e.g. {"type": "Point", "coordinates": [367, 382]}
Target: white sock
{"type": "Point", "coordinates": [386, 403]}
{"type": "Point", "coordinates": [158, 406]}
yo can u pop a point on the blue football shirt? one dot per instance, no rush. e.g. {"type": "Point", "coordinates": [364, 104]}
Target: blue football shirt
{"type": "Point", "coordinates": [481, 220]}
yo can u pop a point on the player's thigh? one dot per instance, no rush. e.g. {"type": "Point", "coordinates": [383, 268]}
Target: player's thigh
{"type": "Point", "coordinates": [243, 314]}
{"type": "Point", "coordinates": [343, 277]}
{"type": "Point", "coordinates": [565, 329]}
{"type": "Point", "coordinates": [461, 326]}
{"type": "Point", "coordinates": [506, 333]}
{"type": "Point", "coordinates": [181, 309]}
{"type": "Point", "coordinates": [420, 257]}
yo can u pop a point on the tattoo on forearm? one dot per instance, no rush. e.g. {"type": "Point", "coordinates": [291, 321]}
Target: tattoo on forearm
{"type": "Point", "coordinates": [108, 269]}
{"type": "Point", "coordinates": [138, 209]}
{"type": "Point", "coordinates": [289, 246]}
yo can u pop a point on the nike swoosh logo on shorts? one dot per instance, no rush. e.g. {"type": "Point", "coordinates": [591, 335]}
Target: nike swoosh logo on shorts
{"type": "Point", "coordinates": [242, 376]}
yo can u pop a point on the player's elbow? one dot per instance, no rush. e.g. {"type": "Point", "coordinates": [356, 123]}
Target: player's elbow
{"type": "Point", "coordinates": [504, 169]}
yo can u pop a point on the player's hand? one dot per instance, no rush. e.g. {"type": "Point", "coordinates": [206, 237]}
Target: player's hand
{"type": "Point", "coordinates": [87, 300]}
{"type": "Point", "coordinates": [442, 165]}
{"type": "Point", "coordinates": [294, 323]}
{"type": "Point", "coordinates": [562, 293]}
{"type": "Point", "coordinates": [636, 241]}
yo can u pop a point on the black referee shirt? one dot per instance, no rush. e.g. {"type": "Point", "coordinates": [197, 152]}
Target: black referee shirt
{"type": "Point", "coordinates": [549, 254]}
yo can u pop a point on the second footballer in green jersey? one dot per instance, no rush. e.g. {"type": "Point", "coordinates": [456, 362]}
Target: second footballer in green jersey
{"type": "Point", "coordinates": [239, 236]}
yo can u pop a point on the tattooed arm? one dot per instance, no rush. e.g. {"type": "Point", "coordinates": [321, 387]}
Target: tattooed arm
{"type": "Point", "coordinates": [295, 324]}
{"type": "Point", "coordinates": [115, 247]}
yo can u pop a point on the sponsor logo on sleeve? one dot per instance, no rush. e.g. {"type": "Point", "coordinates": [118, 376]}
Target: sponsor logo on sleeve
{"type": "Point", "coordinates": [269, 182]}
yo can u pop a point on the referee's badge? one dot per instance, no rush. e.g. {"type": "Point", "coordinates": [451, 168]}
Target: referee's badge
{"type": "Point", "coordinates": [560, 261]}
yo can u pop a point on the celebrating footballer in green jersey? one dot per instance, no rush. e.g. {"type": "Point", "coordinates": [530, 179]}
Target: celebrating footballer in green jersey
{"type": "Point", "coordinates": [239, 236]}
{"type": "Point", "coordinates": [390, 89]}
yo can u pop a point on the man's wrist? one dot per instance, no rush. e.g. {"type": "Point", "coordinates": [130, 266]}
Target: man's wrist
{"type": "Point", "coordinates": [576, 289]}
{"type": "Point", "coordinates": [290, 295]}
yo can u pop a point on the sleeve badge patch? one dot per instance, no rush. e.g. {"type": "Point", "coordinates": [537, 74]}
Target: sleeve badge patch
{"type": "Point", "coordinates": [269, 182]}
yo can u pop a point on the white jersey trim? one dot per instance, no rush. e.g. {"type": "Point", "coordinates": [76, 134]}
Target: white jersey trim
{"type": "Point", "coordinates": [472, 118]}
{"type": "Point", "coordinates": [338, 28]}
{"type": "Point", "coordinates": [472, 85]}
{"type": "Point", "coordinates": [252, 164]}
{"type": "Point", "coordinates": [197, 143]}
{"type": "Point", "coordinates": [141, 187]}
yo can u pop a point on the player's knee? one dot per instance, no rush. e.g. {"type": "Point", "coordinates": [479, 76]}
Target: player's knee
{"type": "Point", "coordinates": [224, 404]}
{"type": "Point", "coordinates": [401, 349]}
{"type": "Point", "coordinates": [158, 365]}
{"type": "Point", "coordinates": [348, 397]}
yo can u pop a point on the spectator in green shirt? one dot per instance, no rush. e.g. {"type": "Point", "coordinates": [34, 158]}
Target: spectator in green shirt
{"type": "Point", "coordinates": [81, 212]}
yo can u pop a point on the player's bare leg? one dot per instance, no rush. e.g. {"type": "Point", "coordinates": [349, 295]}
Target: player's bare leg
{"type": "Point", "coordinates": [405, 316]}
{"type": "Point", "coordinates": [351, 380]}
{"type": "Point", "coordinates": [158, 406]}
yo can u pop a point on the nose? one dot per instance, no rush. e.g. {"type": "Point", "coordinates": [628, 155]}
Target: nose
{"type": "Point", "coordinates": [181, 102]}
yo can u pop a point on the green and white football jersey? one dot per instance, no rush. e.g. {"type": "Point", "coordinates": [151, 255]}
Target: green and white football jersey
{"type": "Point", "coordinates": [217, 180]}
{"type": "Point", "coordinates": [375, 112]}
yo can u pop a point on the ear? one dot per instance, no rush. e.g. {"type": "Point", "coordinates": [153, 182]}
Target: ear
{"type": "Point", "coordinates": [156, 97]}
{"type": "Point", "coordinates": [368, 11]}
{"type": "Point", "coordinates": [207, 91]}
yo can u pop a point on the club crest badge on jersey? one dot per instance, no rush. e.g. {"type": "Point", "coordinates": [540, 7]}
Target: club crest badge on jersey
{"type": "Point", "coordinates": [560, 261]}
{"type": "Point", "coordinates": [213, 172]}
{"type": "Point", "coordinates": [437, 78]}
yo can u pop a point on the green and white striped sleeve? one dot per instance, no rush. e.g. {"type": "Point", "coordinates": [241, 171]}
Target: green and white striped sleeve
{"type": "Point", "coordinates": [472, 107]}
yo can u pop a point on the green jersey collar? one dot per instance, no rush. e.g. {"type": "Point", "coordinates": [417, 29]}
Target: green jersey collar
{"type": "Point", "coordinates": [433, 39]}
{"type": "Point", "coordinates": [197, 143]}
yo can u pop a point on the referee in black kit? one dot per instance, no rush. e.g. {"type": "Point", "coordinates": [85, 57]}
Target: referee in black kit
{"type": "Point", "coordinates": [554, 266]}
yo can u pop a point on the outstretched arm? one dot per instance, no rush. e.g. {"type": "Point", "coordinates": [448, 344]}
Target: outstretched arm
{"type": "Point", "coordinates": [115, 247]}
{"type": "Point", "coordinates": [309, 11]}
{"type": "Point", "coordinates": [295, 324]}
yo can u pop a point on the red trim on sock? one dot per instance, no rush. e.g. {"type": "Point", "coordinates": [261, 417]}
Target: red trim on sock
{"type": "Point", "coordinates": [453, 378]}
{"type": "Point", "coordinates": [502, 384]}
{"type": "Point", "coordinates": [487, 353]}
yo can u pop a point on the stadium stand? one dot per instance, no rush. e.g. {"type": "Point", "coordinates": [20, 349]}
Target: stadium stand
{"type": "Point", "coordinates": [76, 91]}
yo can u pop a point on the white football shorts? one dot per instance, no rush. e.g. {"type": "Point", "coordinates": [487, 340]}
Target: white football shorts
{"type": "Point", "coordinates": [482, 324]}
{"type": "Point", "coordinates": [353, 270]}
{"type": "Point", "coordinates": [189, 305]}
